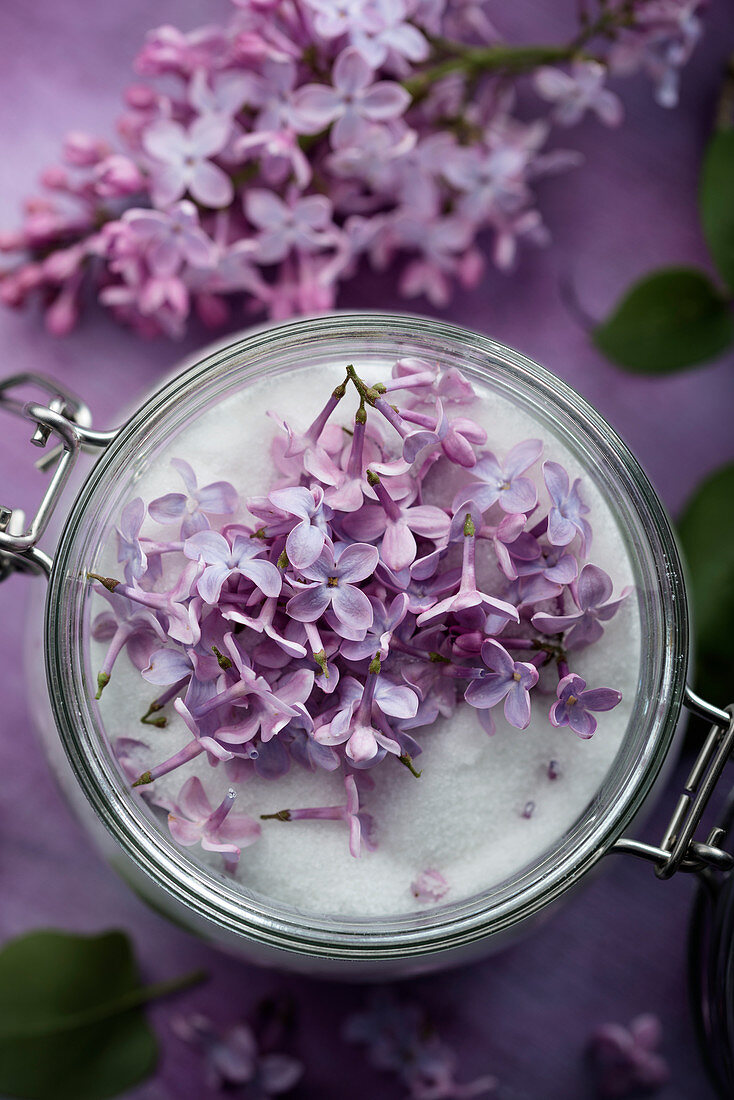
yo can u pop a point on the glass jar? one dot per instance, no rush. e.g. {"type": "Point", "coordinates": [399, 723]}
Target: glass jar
{"type": "Point", "coordinates": [209, 903]}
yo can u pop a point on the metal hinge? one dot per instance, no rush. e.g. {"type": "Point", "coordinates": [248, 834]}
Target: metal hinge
{"type": "Point", "coordinates": [67, 418]}
{"type": "Point", "coordinates": [679, 850]}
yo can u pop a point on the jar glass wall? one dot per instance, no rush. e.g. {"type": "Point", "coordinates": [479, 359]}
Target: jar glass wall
{"type": "Point", "coordinates": [211, 902]}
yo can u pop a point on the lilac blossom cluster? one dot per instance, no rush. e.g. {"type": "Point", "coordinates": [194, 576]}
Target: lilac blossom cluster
{"type": "Point", "coordinates": [397, 568]}
{"type": "Point", "coordinates": [267, 158]}
{"type": "Point", "coordinates": [399, 1039]}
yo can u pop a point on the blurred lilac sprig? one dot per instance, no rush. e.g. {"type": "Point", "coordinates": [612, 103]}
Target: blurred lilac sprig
{"type": "Point", "coordinates": [261, 161]}
{"type": "Point", "coordinates": [400, 1040]}
{"type": "Point", "coordinates": [332, 628]}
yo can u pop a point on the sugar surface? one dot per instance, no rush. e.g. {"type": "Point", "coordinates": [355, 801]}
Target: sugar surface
{"type": "Point", "coordinates": [466, 816]}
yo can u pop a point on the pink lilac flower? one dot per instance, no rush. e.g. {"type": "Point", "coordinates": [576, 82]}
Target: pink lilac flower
{"type": "Point", "coordinates": [334, 576]}
{"type": "Point", "coordinates": [396, 523]}
{"type": "Point", "coordinates": [358, 725]}
{"type": "Point", "coordinates": [429, 886]}
{"type": "Point", "coordinates": [305, 541]}
{"type": "Point", "coordinates": [566, 516]}
{"type": "Point", "coordinates": [507, 679]}
{"type": "Point", "coordinates": [171, 238]}
{"type": "Point", "coordinates": [400, 1040]}
{"type": "Point", "coordinates": [581, 90]}
{"type": "Point", "coordinates": [192, 820]}
{"type": "Point", "coordinates": [301, 223]}
{"type": "Point", "coordinates": [224, 558]}
{"type": "Point", "coordinates": [591, 594]}
{"type": "Point", "coordinates": [195, 505]}
{"type": "Point", "coordinates": [626, 1059]}
{"type": "Point", "coordinates": [574, 703]}
{"type": "Point", "coordinates": [125, 627]}
{"type": "Point", "coordinates": [351, 103]}
{"type": "Point", "coordinates": [233, 1058]}
{"type": "Point", "coordinates": [129, 551]}
{"type": "Point", "coordinates": [359, 823]}
{"type": "Point", "coordinates": [502, 481]}
{"type": "Point", "coordinates": [181, 161]}
{"type": "Point", "coordinates": [469, 595]}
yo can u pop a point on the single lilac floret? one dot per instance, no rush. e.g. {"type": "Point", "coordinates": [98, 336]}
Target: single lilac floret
{"type": "Point", "coordinates": [591, 593]}
{"type": "Point", "coordinates": [224, 559]}
{"type": "Point", "coordinates": [507, 679]}
{"type": "Point", "coordinates": [574, 704]}
{"type": "Point", "coordinates": [334, 580]}
{"type": "Point", "coordinates": [195, 505]}
{"type": "Point", "coordinates": [566, 516]}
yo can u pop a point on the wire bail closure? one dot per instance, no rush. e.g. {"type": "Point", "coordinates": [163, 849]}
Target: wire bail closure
{"type": "Point", "coordinates": [67, 417]}
{"type": "Point", "coordinates": [679, 850]}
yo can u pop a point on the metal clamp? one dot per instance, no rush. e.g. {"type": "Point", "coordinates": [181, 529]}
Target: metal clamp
{"type": "Point", "coordinates": [65, 416]}
{"type": "Point", "coordinates": [679, 851]}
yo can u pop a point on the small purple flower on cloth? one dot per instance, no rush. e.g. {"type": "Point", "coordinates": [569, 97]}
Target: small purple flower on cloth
{"type": "Point", "coordinates": [234, 1058]}
{"type": "Point", "coordinates": [400, 1040]}
{"type": "Point", "coordinates": [626, 1059]}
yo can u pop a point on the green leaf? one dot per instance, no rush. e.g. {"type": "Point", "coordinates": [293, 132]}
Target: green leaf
{"type": "Point", "coordinates": [716, 201]}
{"type": "Point", "coordinates": [707, 536]}
{"type": "Point", "coordinates": [670, 320]}
{"type": "Point", "coordinates": [71, 1025]}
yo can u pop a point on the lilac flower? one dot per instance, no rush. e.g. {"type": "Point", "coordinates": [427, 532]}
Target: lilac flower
{"type": "Point", "coordinates": [502, 482]}
{"type": "Point", "coordinates": [393, 37]}
{"type": "Point", "coordinates": [222, 94]}
{"type": "Point", "coordinates": [566, 516]}
{"type": "Point", "coordinates": [591, 593]}
{"type": "Point", "coordinates": [579, 91]}
{"type": "Point", "coordinates": [359, 823]}
{"type": "Point", "coordinates": [397, 522]}
{"type": "Point", "coordinates": [360, 724]}
{"type": "Point", "coordinates": [233, 1058]}
{"type": "Point", "coordinates": [171, 238]}
{"type": "Point", "coordinates": [126, 627]}
{"type": "Point", "coordinates": [306, 540]}
{"type": "Point", "coordinates": [385, 620]}
{"type": "Point", "coordinates": [399, 1040]}
{"type": "Point", "coordinates": [301, 223]}
{"type": "Point", "coordinates": [192, 507]}
{"type": "Point", "coordinates": [181, 160]}
{"type": "Point", "coordinates": [351, 103]}
{"type": "Point", "coordinates": [192, 821]}
{"type": "Point", "coordinates": [425, 381]}
{"type": "Point", "coordinates": [430, 886]}
{"type": "Point", "coordinates": [129, 551]}
{"type": "Point", "coordinates": [469, 595]}
{"type": "Point", "coordinates": [507, 679]}
{"type": "Point", "coordinates": [223, 559]}
{"type": "Point", "coordinates": [574, 704]}
{"type": "Point", "coordinates": [626, 1059]}
{"type": "Point", "coordinates": [456, 437]}
{"type": "Point", "coordinates": [333, 578]}
{"type": "Point", "coordinates": [180, 611]}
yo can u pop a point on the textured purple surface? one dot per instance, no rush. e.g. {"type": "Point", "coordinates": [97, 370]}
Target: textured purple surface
{"type": "Point", "coordinates": [617, 948]}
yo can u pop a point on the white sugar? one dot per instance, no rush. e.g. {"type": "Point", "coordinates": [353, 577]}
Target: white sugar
{"type": "Point", "coordinates": [467, 816]}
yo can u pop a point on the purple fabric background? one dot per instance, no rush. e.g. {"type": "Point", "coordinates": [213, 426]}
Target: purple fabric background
{"type": "Point", "coordinates": [618, 947]}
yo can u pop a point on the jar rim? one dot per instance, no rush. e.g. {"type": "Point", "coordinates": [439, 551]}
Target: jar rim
{"type": "Point", "coordinates": [441, 929]}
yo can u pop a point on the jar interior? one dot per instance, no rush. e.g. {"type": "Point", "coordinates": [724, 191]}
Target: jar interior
{"type": "Point", "coordinates": [271, 360]}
